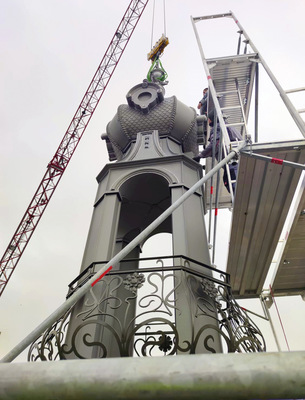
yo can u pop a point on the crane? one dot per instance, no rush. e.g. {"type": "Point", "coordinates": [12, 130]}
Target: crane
{"type": "Point", "coordinates": [57, 166]}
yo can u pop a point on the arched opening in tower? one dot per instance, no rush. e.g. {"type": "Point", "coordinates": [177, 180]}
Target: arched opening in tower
{"type": "Point", "coordinates": [144, 197]}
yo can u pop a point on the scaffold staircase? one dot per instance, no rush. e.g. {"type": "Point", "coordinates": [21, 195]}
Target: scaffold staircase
{"type": "Point", "coordinates": [233, 79]}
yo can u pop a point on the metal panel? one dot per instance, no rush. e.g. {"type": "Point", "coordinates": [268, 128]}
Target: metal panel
{"type": "Point", "coordinates": [263, 197]}
{"type": "Point", "coordinates": [290, 276]}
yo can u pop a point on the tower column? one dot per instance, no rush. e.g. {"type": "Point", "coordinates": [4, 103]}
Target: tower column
{"type": "Point", "coordinates": [103, 229]}
{"type": "Point", "coordinates": [190, 239]}
{"type": "Point", "coordinates": [189, 233]}
{"type": "Point", "coordinates": [100, 246]}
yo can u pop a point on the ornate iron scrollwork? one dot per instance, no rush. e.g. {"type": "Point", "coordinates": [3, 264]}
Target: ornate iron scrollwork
{"type": "Point", "coordinates": [140, 313]}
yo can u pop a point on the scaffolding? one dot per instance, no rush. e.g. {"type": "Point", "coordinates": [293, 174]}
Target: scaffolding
{"type": "Point", "coordinates": [264, 192]}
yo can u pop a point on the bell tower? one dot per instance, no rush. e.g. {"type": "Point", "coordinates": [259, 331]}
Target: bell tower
{"type": "Point", "coordinates": [153, 140]}
{"type": "Point", "coordinates": [162, 305]}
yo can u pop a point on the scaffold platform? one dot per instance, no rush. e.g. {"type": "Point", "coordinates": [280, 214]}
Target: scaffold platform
{"type": "Point", "coordinates": [289, 276]}
{"type": "Point", "coordinates": [263, 197]}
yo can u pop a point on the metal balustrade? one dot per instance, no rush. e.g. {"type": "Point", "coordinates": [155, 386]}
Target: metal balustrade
{"type": "Point", "coordinates": [149, 301]}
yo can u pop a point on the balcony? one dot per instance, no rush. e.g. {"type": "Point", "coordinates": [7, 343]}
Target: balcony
{"type": "Point", "coordinates": [161, 308]}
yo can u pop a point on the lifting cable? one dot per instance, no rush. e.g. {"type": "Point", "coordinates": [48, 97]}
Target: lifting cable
{"type": "Point", "coordinates": [164, 18]}
{"type": "Point", "coordinates": [156, 72]}
{"type": "Point", "coordinates": [152, 25]}
{"type": "Point", "coordinates": [153, 22]}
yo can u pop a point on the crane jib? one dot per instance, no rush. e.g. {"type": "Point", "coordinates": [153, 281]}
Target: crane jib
{"type": "Point", "coordinates": [77, 127]}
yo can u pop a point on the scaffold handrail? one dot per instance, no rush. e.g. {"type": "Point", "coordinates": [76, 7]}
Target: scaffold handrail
{"type": "Point", "coordinates": [292, 110]}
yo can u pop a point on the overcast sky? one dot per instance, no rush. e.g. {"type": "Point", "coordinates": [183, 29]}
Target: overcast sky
{"type": "Point", "coordinates": [50, 50]}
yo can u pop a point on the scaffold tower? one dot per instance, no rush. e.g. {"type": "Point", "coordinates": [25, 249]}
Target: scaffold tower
{"type": "Point", "coordinates": [268, 174]}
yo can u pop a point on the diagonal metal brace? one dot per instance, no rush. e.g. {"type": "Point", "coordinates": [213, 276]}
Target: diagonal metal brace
{"type": "Point", "coordinates": [274, 160]}
{"type": "Point", "coordinates": [71, 301]}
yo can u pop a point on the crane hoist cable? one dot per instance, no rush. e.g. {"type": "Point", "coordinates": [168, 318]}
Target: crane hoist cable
{"type": "Point", "coordinates": [156, 72]}
{"type": "Point", "coordinates": [153, 22]}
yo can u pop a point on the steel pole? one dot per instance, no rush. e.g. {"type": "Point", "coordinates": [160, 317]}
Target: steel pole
{"type": "Point", "coordinates": [212, 178]}
{"type": "Point", "coordinates": [274, 160]}
{"type": "Point", "coordinates": [114, 261]}
{"type": "Point", "coordinates": [256, 103]}
{"type": "Point", "coordinates": [197, 376]}
{"type": "Point", "coordinates": [217, 192]}
{"type": "Point", "coordinates": [212, 88]}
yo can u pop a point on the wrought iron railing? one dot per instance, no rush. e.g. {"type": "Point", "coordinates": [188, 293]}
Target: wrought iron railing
{"type": "Point", "coordinates": [140, 312]}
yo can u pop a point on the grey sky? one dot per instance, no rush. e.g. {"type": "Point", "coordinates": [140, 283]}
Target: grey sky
{"type": "Point", "coordinates": [49, 53]}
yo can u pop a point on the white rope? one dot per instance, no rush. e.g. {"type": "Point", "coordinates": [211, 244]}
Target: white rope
{"type": "Point", "coordinates": [164, 18]}
{"type": "Point", "coordinates": [153, 22]}
{"type": "Point", "coordinates": [152, 25]}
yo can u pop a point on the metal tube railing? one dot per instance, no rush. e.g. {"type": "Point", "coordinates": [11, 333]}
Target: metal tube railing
{"type": "Point", "coordinates": [256, 103]}
{"type": "Point", "coordinates": [292, 110]}
{"type": "Point", "coordinates": [211, 87]}
{"type": "Point", "coordinates": [115, 260]}
{"type": "Point", "coordinates": [199, 376]}
{"type": "Point", "coordinates": [217, 195]}
{"type": "Point", "coordinates": [85, 275]}
{"type": "Point", "coordinates": [274, 160]}
{"type": "Point", "coordinates": [215, 216]}
{"type": "Point", "coordinates": [212, 178]}
{"type": "Point", "coordinates": [301, 89]}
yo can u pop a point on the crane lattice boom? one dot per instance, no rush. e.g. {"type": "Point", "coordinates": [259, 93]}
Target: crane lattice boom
{"type": "Point", "coordinates": [60, 161]}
